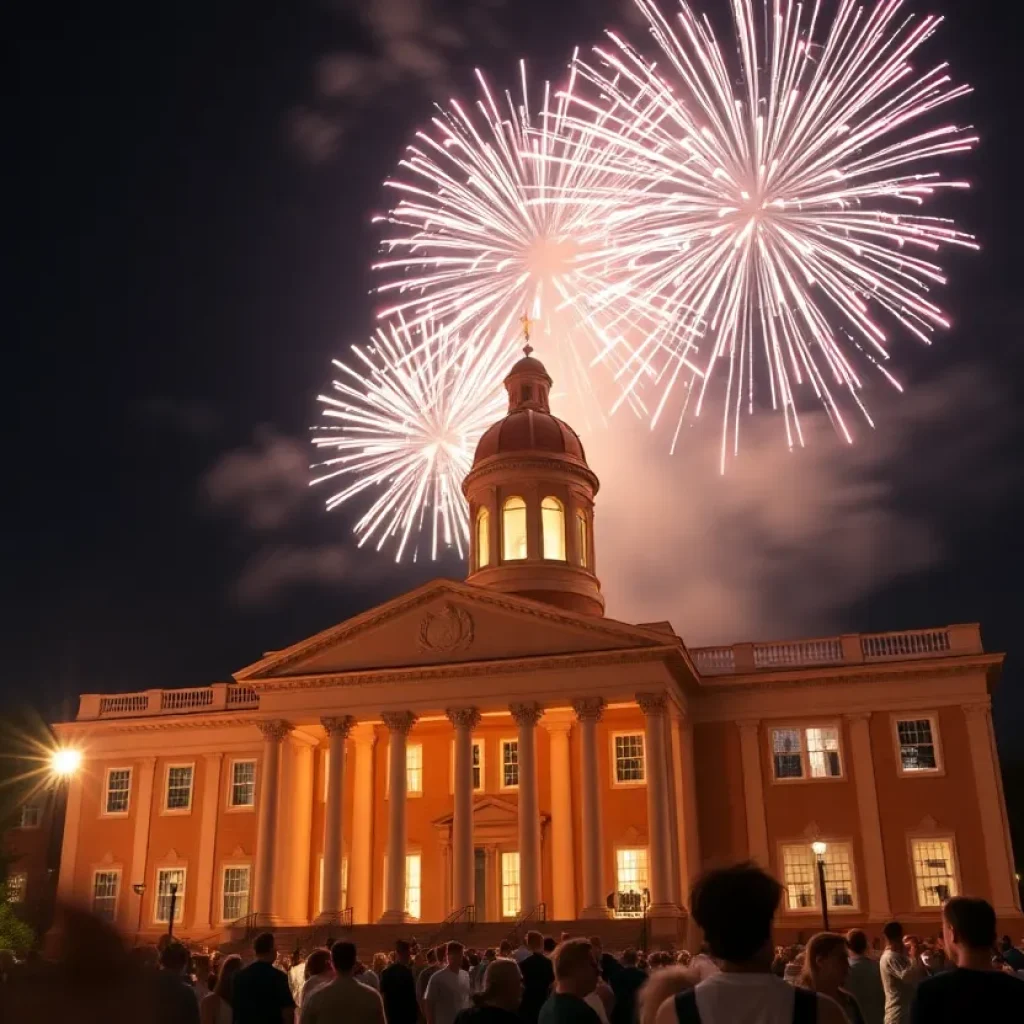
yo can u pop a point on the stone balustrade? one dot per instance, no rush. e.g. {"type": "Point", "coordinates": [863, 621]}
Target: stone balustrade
{"type": "Point", "coordinates": [218, 697]}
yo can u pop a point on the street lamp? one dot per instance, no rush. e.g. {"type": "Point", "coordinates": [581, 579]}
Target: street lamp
{"type": "Point", "coordinates": [139, 888]}
{"type": "Point", "coordinates": [65, 762]}
{"type": "Point", "coordinates": [819, 849]}
{"type": "Point", "coordinates": [173, 887]}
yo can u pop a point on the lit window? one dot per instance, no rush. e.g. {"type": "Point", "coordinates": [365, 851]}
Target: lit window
{"type": "Point", "coordinates": [104, 894]}
{"type": "Point", "coordinates": [243, 784]}
{"type": "Point", "coordinates": [483, 538]}
{"type": "Point", "coordinates": [631, 883]}
{"type": "Point", "coordinates": [513, 529]}
{"type": "Point", "coordinates": [509, 764]}
{"type": "Point", "coordinates": [236, 892]}
{"type": "Point", "coordinates": [31, 815]}
{"type": "Point", "coordinates": [511, 898]}
{"type": "Point", "coordinates": [934, 875]}
{"type": "Point", "coordinates": [806, 753]}
{"type": "Point", "coordinates": [165, 878]}
{"type": "Point", "coordinates": [629, 758]}
{"type": "Point", "coordinates": [344, 883]}
{"type": "Point", "coordinates": [17, 884]}
{"type": "Point", "coordinates": [800, 876]}
{"type": "Point", "coordinates": [119, 787]}
{"type": "Point", "coordinates": [552, 520]}
{"type": "Point", "coordinates": [413, 883]}
{"type": "Point", "coordinates": [179, 788]}
{"type": "Point", "coordinates": [414, 768]}
{"type": "Point", "coordinates": [478, 765]}
{"type": "Point", "coordinates": [916, 737]}
{"type": "Point", "coordinates": [581, 537]}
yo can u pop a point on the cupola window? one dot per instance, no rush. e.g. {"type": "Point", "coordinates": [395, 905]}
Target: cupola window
{"type": "Point", "coordinates": [552, 517]}
{"type": "Point", "coordinates": [514, 530]}
{"type": "Point", "coordinates": [483, 538]}
{"type": "Point", "coordinates": [581, 537]}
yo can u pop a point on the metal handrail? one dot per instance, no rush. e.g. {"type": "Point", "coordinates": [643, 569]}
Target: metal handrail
{"type": "Point", "coordinates": [341, 920]}
{"type": "Point", "coordinates": [468, 912]}
{"type": "Point", "coordinates": [539, 913]}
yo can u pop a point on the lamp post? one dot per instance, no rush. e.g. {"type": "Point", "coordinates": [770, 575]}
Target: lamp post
{"type": "Point", "coordinates": [819, 849]}
{"type": "Point", "coordinates": [139, 888]}
{"type": "Point", "coordinates": [173, 888]}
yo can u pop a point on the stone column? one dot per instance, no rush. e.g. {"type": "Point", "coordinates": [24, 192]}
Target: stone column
{"type": "Point", "coordinates": [69, 843]}
{"type": "Point", "coordinates": [991, 809]}
{"type": "Point", "coordinates": [659, 806]}
{"type": "Point", "coordinates": [206, 887]}
{"type": "Point", "coordinates": [867, 812]}
{"type": "Point", "coordinates": [464, 721]}
{"type": "Point", "coordinates": [337, 730]}
{"type": "Point", "coordinates": [753, 793]}
{"type": "Point", "coordinates": [588, 713]}
{"type": "Point", "coordinates": [527, 716]}
{"type": "Point", "coordinates": [274, 732]}
{"type": "Point", "coordinates": [360, 865]}
{"type": "Point", "coordinates": [399, 723]}
{"type": "Point", "coordinates": [145, 769]}
{"type": "Point", "coordinates": [563, 856]}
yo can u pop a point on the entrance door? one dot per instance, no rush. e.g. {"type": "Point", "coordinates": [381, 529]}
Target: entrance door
{"type": "Point", "coordinates": [480, 881]}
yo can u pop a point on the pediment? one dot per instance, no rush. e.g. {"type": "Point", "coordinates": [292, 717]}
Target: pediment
{"type": "Point", "coordinates": [445, 622]}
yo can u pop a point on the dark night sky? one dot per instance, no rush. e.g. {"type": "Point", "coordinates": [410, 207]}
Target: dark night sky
{"type": "Point", "coordinates": [182, 268]}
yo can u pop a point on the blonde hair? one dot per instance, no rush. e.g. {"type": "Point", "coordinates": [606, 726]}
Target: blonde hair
{"type": "Point", "coordinates": [380, 961]}
{"type": "Point", "coordinates": [499, 973]}
{"type": "Point", "coordinates": [662, 985]}
{"type": "Point", "coordinates": [822, 945]}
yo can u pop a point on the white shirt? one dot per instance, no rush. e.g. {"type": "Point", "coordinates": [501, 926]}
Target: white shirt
{"type": "Point", "coordinates": [296, 979]}
{"type": "Point", "coordinates": [520, 954]}
{"type": "Point", "coordinates": [900, 978]}
{"type": "Point", "coordinates": [317, 981]}
{"type": "Point", "coordinates": [447, 993]}
{"type": "Point", "coordinates": [596, 1003]}
{"type": "Point", "coordinates": [727, 998]}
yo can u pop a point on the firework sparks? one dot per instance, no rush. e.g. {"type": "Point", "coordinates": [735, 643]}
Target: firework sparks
{"type": "Point", "coordinates": [767, 213]}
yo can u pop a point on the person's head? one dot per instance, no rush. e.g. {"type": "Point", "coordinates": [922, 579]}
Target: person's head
{"type": "Point", "coordinates": [1005, 944]}
{"type": "Point", "coordinates": [343, 956]}
{"type": "Point", "coordinates": [549, 945]}
{"type": "Point", "coordinates": [490, 954]}
{"type": "Point", "coordinates": [629, 957]}
{"type": "Point", "coordinates": [534, 942]}
{"type": "Point", "coordinates": [174, 958]}
{"type": "Point", "coordinates": [200, 966]}
{"type": "Point", "coordinates": [504, 986]}
{"type": "Point", "coordinates": [575, 965]}
{"type": "Point", "coordinates": [505, 949]}
{"type": "Point", "coordinates": [403, 951]}
{"type": "Point", "coordinates": [431, 956]}
{"type": "Point", "coordinates": [735, 907]}
{"type": "Point", "coordinates": [857, 942]}
{"type": "Point", "coordinates": [968, 927]}
{"type": "Point", "coordinates": [229, 967]}
{"type": "Point", "coordinates": [893, 934]}
{"type": "Point", "coordinates": [826, 963]}
{"type": "Point", "coordinates": [317, 962]}
{"type": "Point", "coordinates": [296, 956]}
{"type": "Point", "coordinates": [380, 961]}
{"type": "Point", "coordinates": [474, 959]}
{"type": "Point", "coordinates": [263, 947]}
{"type": "Point", "coordinates": [453, 955]}
{"type": "Point", "coordinates": [661, 986]}
{"type": "Point", "coordinates": [595, 943]}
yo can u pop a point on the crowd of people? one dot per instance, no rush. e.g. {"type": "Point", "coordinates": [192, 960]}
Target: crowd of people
{"type": "Point", "coordinates": [738, 976]}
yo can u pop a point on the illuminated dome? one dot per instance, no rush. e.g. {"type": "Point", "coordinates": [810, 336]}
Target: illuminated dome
{"type": "Point", "coordinates": [531, 501]}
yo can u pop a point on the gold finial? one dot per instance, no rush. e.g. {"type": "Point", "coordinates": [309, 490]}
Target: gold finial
{"type": "Point", "coordinates": [527, 324]}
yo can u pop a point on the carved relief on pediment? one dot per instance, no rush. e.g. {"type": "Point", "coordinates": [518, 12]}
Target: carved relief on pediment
{"type": "Point", "coordinates": [450, 629]}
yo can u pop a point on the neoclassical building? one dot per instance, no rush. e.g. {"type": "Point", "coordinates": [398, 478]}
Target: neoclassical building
{"type": "Point", "coordinates": [501, 744]}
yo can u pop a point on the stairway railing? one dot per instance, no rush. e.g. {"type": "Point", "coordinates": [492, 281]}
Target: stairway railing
{"type": "Point", "coordinates": [466, 914]}
{"type": "Point", "coordinates": [322, 932]}
{"type": "Point", "coordinates": [536, 915]}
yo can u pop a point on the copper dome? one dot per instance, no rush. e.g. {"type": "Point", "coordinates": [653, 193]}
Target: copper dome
{"type": "Point", "coordinates": [529, 430]}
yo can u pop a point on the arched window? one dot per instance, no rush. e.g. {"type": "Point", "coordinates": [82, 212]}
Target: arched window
{"type": "Point", "coordinates": [483, 538]}
{"type": "Point", "coordinates": [581, 537]}
{"type": "Point", "coordinates": [552, 521]}
{"type": "Point", "coordinates": [513, 529]}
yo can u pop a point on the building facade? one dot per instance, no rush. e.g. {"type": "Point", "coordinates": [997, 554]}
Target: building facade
{"type": "Point", "coordinates": [499, 743]}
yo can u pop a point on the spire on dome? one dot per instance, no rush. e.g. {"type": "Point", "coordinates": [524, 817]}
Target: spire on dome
{"type": "Point", "coordinates": [528, 383]}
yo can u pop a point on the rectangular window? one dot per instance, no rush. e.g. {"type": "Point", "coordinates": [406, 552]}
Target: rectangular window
{"type": "Point", "coordinates": [119, 789]}
{"type": "Point", "coordinates": [17, 886]}
{"type": "Point", "coordinates": [800, 876]}
{"type": "Point", "coordinates": [509, 764]}
{"type": "Point", "coordinates": [179, 788]}
{"type": "Point", "coordinates": [165, 878]}
{"type": "Point", "coordinates": [511, 897]}
{"type": "Point", "coordinates": [31, 815]}
{"type": "Point", "coordinates": [581, 537]}
{"type": "Point", "coordinates": [105, 885]}
{"type": "Point", "coordinates": [243, 785]}
{"type": "Point", "coordinates": [629, 758]}
{"type": "Point", "coordinates": [413, 883]}
{"type": "Point", "coordinates": [413, 770]}
{"type": "Point", "coordinates": [916, 739]}
{"type": "Point", "coordinates": [809, 753]}
{"type": "Point", "coordinates": [631, 882]}
{"type": "Point", "coordinates": [344, 883]}
{"type": "Point", "coordinates": [236, 892]}
{"type": "Point", "coordinates": [934, 874]}
{"type": "Point", "coordinates": [478, 766]}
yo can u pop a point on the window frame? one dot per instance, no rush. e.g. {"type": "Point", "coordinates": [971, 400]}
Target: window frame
{"type": "Point", "coordinates": [613, 758]}
{"type": "Point", "coordinates": [934, 837]}
{"type": "Point", "coordinates": [502, 854]}
{"type": "Point", "coordinates": [22, 887]}
{"type": "Point", "coordinates": [483, 531]}
{"type": "Point", "coordinates": [107, 870]}
{"type": "Point", "coordinates": [179, 906]}
{"type": "Point", "coordinates": [482, 788]}
{"type": "Point", "coordinates": [815, 908]}
{"type": "Point", "coordinates": [38, 823]}
{"type": "Point", "coordinates": [564, 558]}
{"type": "Point", "coordinates": [234, 865]}
{"type": "Point", "coordinates": [622, 848]}
{"type": "Point", "coordinates": [104, 813]}
{"type": "Point", "coordinates": [177, 811]}
{"type": "Point", "coordinates": [233, 807]}
{"type": "Point", "coordinates": [409, 854]}
{"type": "Point", "coordinates": [805, 775]}
{"type": "Point", "coordinates": [410, 794]}
{"type": "Point", "coordinates": [909, 773]}
{"type": "Point", "coordinates": [526, 529]}
{"type": "Point", "coordinates": [501, 764]}
{"type": "Point", "coordinates": [583, 539]}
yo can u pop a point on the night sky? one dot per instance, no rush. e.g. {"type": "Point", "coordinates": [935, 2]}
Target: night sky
{"type": "Point", "coordinates": [190, 189]}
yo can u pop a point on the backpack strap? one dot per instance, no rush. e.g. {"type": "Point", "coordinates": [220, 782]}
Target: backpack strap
{"type": "Point", "coordinates": [686, 1007]}
{"type": "Point", "coordinates": [805, 1006]}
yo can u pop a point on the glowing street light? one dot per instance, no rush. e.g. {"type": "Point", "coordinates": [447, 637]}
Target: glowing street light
{"type": "Point", "coordinates": [819, 849]}
{"type": "Point", "coordinates": [65, 762]}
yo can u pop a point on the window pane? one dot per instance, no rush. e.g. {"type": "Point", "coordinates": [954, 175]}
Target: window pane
{"type": "Point", "coordinates": [243, 784]}
{"type": "Point", "coordinates": [104, 894]}
{"type": "Point", "coordinates": [483, 538]}
{"type": "Point", "coordinates": [236, 892]}
{"type": "Point", "coordinates": [917, 745]}
{"type": "Point", "coordinates": [581, 537]}
{"type": "Point", "coordinates": [552, 519]}
{"type": "Point", "coordinates": [477, 766]}
{"type": "Point", "coordinates": [165, 878]}
{"type": "Point", "coordinates": [513, 529]}
{"type": "Point", "coordinates": [412, 885]}
{"type": "Point", "coordinates": [510, 763]}
{"type": "Point", "coordinates": [933, 871]}
{"type": "Point", "coordinates": [179, 788]}
{"type": "Point", "coordinates": [823, 753]}
{"type": "Point", "coordinates": [631, 882]}
{"type": "Point", "coordinates": [629, 758]}
{"type": "Point", "coordinates": [799, 876]}
{"type": "Point", "coordinates": [31, 815]}
{"type": "Point", "coordinates": [786, 750]}
{"type": "Point", "coordinates": [119, 784]}
{"type": "Point", "coordinates": [511, 898]}
{"type": "Point", "coordinates": [838, 875]}
{"type": "Point", "coordinates": [16, 886]}
{"type": "Point", "coordinates": [414, 767]}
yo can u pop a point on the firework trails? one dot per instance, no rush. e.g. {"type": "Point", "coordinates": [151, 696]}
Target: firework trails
{"type": "Point", "coordinates": [768, 215]}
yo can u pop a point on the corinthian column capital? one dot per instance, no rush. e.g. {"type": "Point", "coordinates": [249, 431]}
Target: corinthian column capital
{"type": "Point", "coordinates": [338, 724]}
{"type": "Point", "coordinates": [652, 703]}
{"type": "Point", "coordinates": [466, 718]}
{"type": "Point", "coordinates": [588, 709]}
{"type": "Point", "coordinates": [399, 721]}
{"type": "Point", "coordinates": [274, 729]}
{"type": "Point", "coordinates": [526, 714]}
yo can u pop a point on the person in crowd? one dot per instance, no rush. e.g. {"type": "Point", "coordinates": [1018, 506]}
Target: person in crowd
{"type": "Point", "coordinates": [423, 978]}
{"type": "Point", "coordinates": [522, 951]}
{"type": "Point", "coordinates": [662, 985]}
{"type": "Point", "coordinates": [296, 975]}
{"type": "Point", "coordinates": [261, 992]}
{"type": "Point", "coordinates": [703, 963]}
{"type": "Point", "coordinates": [976, 989]}
{"type": "Point", "coordinates": [576, 974]}
{"type": "Point", "coordinates": [217, 1007]}
{"type": "Point", "coordinates": [537, 976]}
{"type": "Point", "coordinates": [605, 961]}
{"type": "Point", "coordinates": [317, 973]}
{"type": "Point", "coordinates": [398, 987]}
{"type": "Point", "coordinates": [343, 1000]}
{"type": "Point", "coordinates": [902, 971]}
{"type": "Point", "coordinates": [826, 968]}
{"type": "Point", "coordinates": [201, 977]}
{"type": "Point", "coordinates": [371, 975]}
{"type": "Point", "coordinates": [499, 1001]}
{"type": "Point", "coordinates": [549, 945]}
{"type": "Point", "coordinates": [735, 907]}
{"type": "Point", "coordinates": [448, 990]}
{"type": "Point", "coordinates": [1014, 957]}
{"type": "Point", "coordinates": [864, 982]}
{"type": "Point", "coordinates": [625, 984]}
{"type": "Point", "coordinates": [177, 1003]}
{"type": "Point", "coordinates": [505, 949]}
{"type": "Point", "coordinates": [478, 976]}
